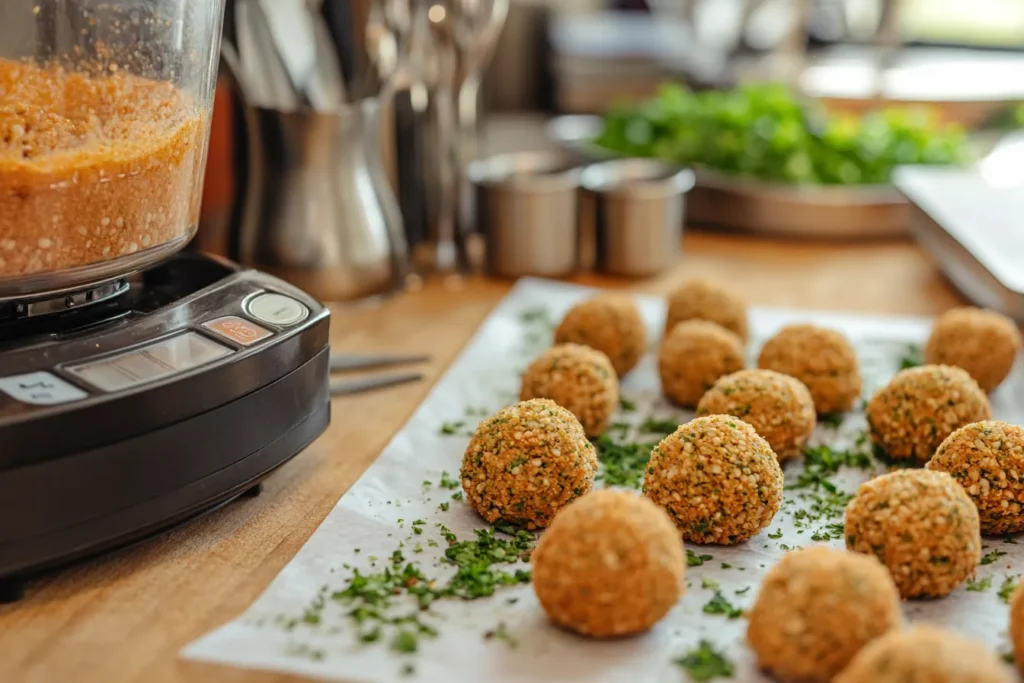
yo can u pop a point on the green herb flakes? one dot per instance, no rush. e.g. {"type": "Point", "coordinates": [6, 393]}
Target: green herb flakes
{"type": "Point", "coordinates": [626, 405]}
{"type": "Point", "coordinates": [1007, 588]}
{"type": "Point", "coordinates": [663, 427]}
{"type": "Point", "coordinates": [990, 557]}
{"type": "Point", "coordinates": [980, 585]}
{"type": "Point", "coordinates": [624, 464]}
{"type": "Point", "coordinates": [443, 507]}
{"type": "Point", "coordinates": [449, 428]}
{"type": "Point", "coordinates": [912, 357]}
{"type": "Point", "coordinates": [447, 482]}
{"type": "Point", "coordinates": [502, 633]}
{"type": "Point", "coordinates": [705, 663]}
{"type": "Point", "coordinates": [695, 560]}
{"type": "Point", "coordinates": [708, 582]}
{"type": "Point", "coordinates": [405, 642]}
{"type": "Point", "coordinates": [719, 604]}
{"type": "Point", "coordinates": [775, 535]}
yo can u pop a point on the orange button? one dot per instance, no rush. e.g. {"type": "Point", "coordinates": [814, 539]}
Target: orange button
{"type": "Point", "coordinates": [237, 330]}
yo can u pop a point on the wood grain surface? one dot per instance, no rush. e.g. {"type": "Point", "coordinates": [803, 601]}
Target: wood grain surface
{"type": "Point", "coordinates": [125, 617]}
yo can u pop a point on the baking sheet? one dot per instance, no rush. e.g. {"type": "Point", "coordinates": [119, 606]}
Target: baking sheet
{"type": "Point", "coordinates": [366, 524]}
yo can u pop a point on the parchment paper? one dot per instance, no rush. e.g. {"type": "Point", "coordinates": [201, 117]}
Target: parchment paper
{"type": "Point", "coordinates": [483, 379]}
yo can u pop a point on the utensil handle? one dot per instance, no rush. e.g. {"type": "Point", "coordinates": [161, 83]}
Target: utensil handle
{"type": "Point", "coordinates": [356, 386]}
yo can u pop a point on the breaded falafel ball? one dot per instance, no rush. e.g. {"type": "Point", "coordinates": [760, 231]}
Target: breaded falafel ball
{"type": "Point", "coordinates": [610, 564]}
{"type": "Point", "coordinates": [718, 480]}
{"type": "Point", "coordinates": [922, 525]}
{"type": "Point", "coordinates": [816, 608]}
{"type": "Point", "coordinates": [1017, 626]}
{"type": "Point", "coordinates": [692, 358]}
{"type": "Point", "coordinates": [924, 653]}
{"type": "Point", "coordinates": [707, 300]}
{"type": "Point", "coordinates": [987, 459]}
{"type": "Point", "coordinates": [824, 360]}
{"type": "Point", "coordinates": [579, 379]}
{"type": "Point", "coordinates": [777, 406]}
{"type": "Point", "coordinates": [982, 342]}
{"type": "Point", "coordinates": [920, 407]}
{"type": "Point", "coordinates": [526, 462]}
{"type": "Point", "coordinates": [610, 323]}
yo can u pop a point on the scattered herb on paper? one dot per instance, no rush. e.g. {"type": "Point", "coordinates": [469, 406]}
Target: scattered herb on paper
{"type": "Point", "coordinates": [695, 560]}
{"type": "Point", "coordinates": [834, 420]}
{"type": "Point", "coordinates": [705, 663]}
{"type": "Point", "coordinates": [990, 557]}
{"type": "Point", "coordinates": [980, 585]}
{"type": "Point", "coordinates": [502, 633]}
{"type": "Point", "coordinates": [447, 482]}
{"type": "Point", "coordinates": [624, 464]}
{"type": "Point", "coordinates": [719, 604]}
{"type": "Point", "coordinates": [708, 582]}
{"type": "Point", "coordinates": [1007, 588]}
{"type": "Point", "coordinates": [655, 426]}
{"type": "Point", "coordinates": [912, 357]}
{"type": "Point", "coordinates": [626, 405]}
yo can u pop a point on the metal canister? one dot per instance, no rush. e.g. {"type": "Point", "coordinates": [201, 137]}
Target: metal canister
{"type": "Point", "coordinates": [631, 216]}
{"type": "Point", "coordinates": [525, 205]}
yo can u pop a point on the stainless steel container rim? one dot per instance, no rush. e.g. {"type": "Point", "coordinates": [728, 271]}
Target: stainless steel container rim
{"type": "Point", "coordinates": [529, 171]}
{"type": "Point", "coordinates": [637, 176]}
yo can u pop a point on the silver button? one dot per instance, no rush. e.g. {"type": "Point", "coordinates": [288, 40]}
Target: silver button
{"type": "Point", "coordinates": [40, 389]}
{"type": "Point", "coordinates": [277, 309]}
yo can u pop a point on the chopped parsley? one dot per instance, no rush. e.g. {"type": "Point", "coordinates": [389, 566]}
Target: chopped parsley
{"type": "Point", "coordinates": [447, 482]}
{"type": "Point", "coordinates": [624, 464]}
{"type": "Point", "coordinates": [502, 633]}
{"type": "Point", "coordinates": [405, 642]}
{"type": "Point", "coordinates": [822, 462]}
{"type": "Point", "coordinates": [720, 605]}
{"type": "Point", "coordinates": [705, 663]}
{"type": "Point", "coordinates": [912, 357]}
{"type": "Point", "coordinates": [457, 495]}
{"type": "Point", "coordinates": [981, 585]}
{"type": "Point", "coordinates": [708, 582]}
{"type": "Point", "coordinates": [741, 591]}
{"type": "Point", "coordinates": [832, 419]}
{"type": "Point", "coordinates": [990, 557]}
{"type": "Point", "coordinates": [626, 405]}
{"type": "Point", "coordinates": [1009, 585]}
{"type": "Point", "coordinates": [653, 426]}
{"type": "Point", "coordinates": [726, 565]}
{"type": "Point", "coordinates": [775, 535]}
{"type": "Point", "coordinates": [829, 532]}
{"type": "Point", "coordinates": [695, 560]}
{"type": "Point", "coordinates": [444, 506]}
{"type": "Point", "coordinates": [449, 428]}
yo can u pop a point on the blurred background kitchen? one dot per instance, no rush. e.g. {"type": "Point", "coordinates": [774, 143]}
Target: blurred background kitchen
{"type": "Point", "coordinates": [364, 147]}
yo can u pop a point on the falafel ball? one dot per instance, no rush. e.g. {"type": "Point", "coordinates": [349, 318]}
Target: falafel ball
{"type": "Point", "coordinates": [920, 407]}
{"type": "Point", "coordinates": [579, 379]}
{"type": "Point", "coordinates": [777, 406]}
{"type": "Point", "coordinates": [610, 323]}
{"type": "Point", "coordinates": [719, 481]}
{"type": "Point", "coordinates": [987, 458]}
{"type": "Point", "coordinates": [982, 342]}
{"type": "Point", "coordinates": [611, 564]}
{"type": "Point", "coordinates": [707, 300]}
{"type": "Point", "coordinates": [526, 462]}
{"type": "Point", "coordinates": [1017, 626]}
{"type": "Point", "coordinates": [924, 653]}
{"type": "Point", "coordinates": [817, 607]}
{"type": "Point", "coordinates": [692, 358]}
{"type": "Point", "coordinates": [922, 525]}
{"type": "Point", "coordinates": [823, 359]}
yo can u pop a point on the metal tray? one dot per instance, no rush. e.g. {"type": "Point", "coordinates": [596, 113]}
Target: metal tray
{"type": "Point", "coordinates": [823, 213]}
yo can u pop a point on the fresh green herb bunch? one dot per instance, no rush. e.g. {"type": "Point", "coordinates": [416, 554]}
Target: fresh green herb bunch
{"type": "Point", "coordinates": [763, 131]}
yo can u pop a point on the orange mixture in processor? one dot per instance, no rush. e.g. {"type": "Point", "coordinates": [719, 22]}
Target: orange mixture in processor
{"type": "Point", "coordinates": [92, 167]}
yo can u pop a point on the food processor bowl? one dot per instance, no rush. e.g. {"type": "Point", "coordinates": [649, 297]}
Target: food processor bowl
{"type": "Point", "coordinates": [105, 108]}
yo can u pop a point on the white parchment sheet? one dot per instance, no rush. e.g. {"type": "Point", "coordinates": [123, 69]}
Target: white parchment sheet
{"type": "Point", "coordinates": [365, 525]}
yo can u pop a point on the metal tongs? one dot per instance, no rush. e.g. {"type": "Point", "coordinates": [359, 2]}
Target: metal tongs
{"type": "Point", "coordinates": [339, 364]}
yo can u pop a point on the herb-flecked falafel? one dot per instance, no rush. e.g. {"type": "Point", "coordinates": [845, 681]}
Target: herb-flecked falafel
{"type": "Point", "coordinates": [579, 379]}
{"type": "Point", "coordinates": [987, 459]}
{"type": "Point", "coordinates": [921, 525]}
{"type": "Point", "coordinates": [707, 300]}
{"type": "Point", "coordinates": [526, 462]}
{"type": "Point", "coordinates": [719, 481]}
{"type": "Point", "coordinates": [982, 342]}
{"type": "Point", "coordinates": [694, 355]}
{"type": "Point", "coordinates": [920, 407]}
{"type": "Point", "coordinates": [816, 608]}
{"type": "Point", "coordinates": [823, 359]}
{"type": "Point", "coordinates": [610, 564]}
{"type": "Point", "coordinates": [924, 653]}
{"type": "Point", "coordinates": [777, 406]}
{"type": "Point", "coordinates": [610, 323]}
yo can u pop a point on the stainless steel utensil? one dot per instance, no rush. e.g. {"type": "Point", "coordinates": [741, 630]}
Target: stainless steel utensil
{"type": "Point", "coordinates": [345, 363]}
{"type": "Point", "coordinates": [525, 205]}
{"type": "Point", "coordinates": [315, 211]}
{"type": "Point", "coordinates": [632, 210]}
{"type": "Point", "coordinates": [356, 386]}
{"type": "Point", "coordinates": [268, 82]}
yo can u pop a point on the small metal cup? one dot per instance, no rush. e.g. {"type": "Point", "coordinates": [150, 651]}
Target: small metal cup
{"type": "Point", "coordinates": [631, 216]}
{"type": "Point", "coordinates": [525, 205]}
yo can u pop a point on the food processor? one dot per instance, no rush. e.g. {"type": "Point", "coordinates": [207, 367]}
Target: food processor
{"type": "Point", "coordinates": [140, 385]}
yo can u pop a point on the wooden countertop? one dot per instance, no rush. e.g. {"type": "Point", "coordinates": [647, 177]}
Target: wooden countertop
{"type": "Point", "coordinates": [126, 616]}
